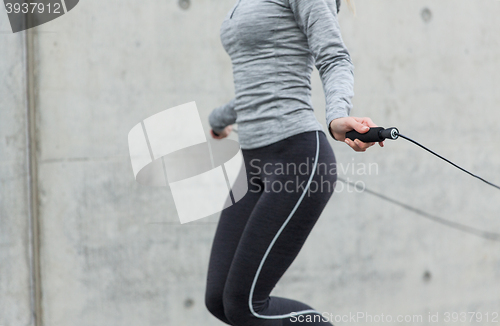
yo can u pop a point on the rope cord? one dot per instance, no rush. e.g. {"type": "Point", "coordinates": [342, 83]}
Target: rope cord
{"type": "Point", "coordinates": [455, 165]}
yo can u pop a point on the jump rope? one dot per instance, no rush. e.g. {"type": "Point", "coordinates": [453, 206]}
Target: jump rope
{"type": "Point", "coordinates": [379, 134]}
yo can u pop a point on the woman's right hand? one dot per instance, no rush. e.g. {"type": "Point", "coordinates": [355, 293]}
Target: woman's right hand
{"type": "Point", "coordinates": [222, 134]}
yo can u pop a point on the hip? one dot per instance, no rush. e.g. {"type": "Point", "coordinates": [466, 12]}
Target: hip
{"type": "Point", "coordinates": [296, 156]}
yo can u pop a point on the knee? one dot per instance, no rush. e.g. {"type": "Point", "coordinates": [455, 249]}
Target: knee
{"type": "Point", "coordinates": [214, 304]}
{"type": "Point", "coordinates": [236, 309]}
{"type": "Point", "coordinates": [229, 308]}
{"type": "Point", "coordinates": [232, 310]}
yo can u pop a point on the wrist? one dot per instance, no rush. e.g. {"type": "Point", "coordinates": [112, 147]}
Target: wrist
{"type": "Point", "coordinates": [330, 128]}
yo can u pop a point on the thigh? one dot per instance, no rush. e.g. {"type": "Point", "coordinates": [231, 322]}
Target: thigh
{"type": "Point", "coordinates": [228, 233]}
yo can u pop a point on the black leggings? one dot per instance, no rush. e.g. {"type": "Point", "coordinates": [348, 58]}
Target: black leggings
{"type": "Point", "coordinates": [258, 238]}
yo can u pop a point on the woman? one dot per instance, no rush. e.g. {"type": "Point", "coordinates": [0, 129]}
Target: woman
{"type": "Point", "coordinates": [273, 45]}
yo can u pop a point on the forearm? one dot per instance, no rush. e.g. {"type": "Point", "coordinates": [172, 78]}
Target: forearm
{"type": "Point", "coordinates": [338, 85]}
{"type": "Point", "coordinates": [222, 116]}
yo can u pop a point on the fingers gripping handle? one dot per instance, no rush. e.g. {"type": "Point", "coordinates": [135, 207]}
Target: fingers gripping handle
{"type": "Point", "coordinates": [372, 135]}
{"type": "Point", "coordinates": [376, 134]}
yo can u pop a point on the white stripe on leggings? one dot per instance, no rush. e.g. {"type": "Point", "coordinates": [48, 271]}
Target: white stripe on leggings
{"type": "Point", "coordinates": [272, 243]}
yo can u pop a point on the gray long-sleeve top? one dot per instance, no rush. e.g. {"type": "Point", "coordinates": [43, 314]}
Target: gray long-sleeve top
{"type": "Point", "coordinates": [273, 45]}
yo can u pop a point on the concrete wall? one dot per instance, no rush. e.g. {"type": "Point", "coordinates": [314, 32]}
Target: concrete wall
{"type": "Point", "coordinates": [114, 253]}
{"type": "Point", "coordinates": [15, 244]}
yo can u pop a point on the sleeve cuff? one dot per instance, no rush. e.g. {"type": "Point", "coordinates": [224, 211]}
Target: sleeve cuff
{"type": "Point", "coordinates": [333, 117]}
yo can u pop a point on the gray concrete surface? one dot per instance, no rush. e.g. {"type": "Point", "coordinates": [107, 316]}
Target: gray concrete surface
{"type": "Point", "coordinates": [114, 253]}
{"type": "Point", "coordinates": [15, 280]}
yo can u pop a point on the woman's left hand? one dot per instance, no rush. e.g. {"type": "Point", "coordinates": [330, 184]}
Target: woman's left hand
{"type": "Point", "coordinates": [340, 126]}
